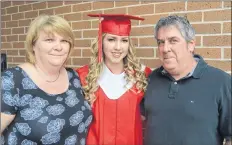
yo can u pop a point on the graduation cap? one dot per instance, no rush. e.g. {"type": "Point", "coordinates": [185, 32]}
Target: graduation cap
{"type": "Point", "coordinates": [116, 24]}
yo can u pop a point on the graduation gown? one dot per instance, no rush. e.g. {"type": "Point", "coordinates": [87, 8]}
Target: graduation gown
{"type": "Point", "coordinates": [116, 111]}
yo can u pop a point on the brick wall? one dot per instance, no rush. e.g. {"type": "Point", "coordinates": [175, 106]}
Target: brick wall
{"type": "Point", "coordinates": [212, 21]}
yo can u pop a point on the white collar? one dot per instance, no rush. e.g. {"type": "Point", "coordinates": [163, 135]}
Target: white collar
{"type": "Point", "coordinates": [113, 85]}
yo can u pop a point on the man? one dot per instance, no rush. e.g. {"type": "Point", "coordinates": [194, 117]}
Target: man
{"type": "Point", "coordinates": [187, 102]}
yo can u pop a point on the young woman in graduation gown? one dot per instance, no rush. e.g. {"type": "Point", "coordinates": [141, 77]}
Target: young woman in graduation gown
{"type": "Point", "coordinates": [114, 84]}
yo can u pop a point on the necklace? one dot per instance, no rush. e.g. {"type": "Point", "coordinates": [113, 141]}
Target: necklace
{"type": "Point", "coordinates": [46, 75]}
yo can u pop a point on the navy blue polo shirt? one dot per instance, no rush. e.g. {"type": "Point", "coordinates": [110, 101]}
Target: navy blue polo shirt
{"type": "Point", "coordinates": [195, 110]}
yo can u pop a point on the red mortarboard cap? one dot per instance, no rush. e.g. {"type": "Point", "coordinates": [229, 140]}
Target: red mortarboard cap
{"type": "Point", "coordinates": [117, 24]}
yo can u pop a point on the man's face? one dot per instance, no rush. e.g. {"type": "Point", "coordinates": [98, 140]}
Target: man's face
{"type": "Point", "coordinates": [174, 51]}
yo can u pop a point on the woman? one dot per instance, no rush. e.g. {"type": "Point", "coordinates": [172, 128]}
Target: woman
{"type": "Point", "coordinates": [42, 101]}
{"type": "Point", "coordinates": [114, 84]}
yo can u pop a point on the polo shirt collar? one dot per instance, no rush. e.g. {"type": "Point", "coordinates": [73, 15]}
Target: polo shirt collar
{"type": "Point", "coordinates": [201, 66]}
{"type": "Point", "coordinates": [196, 72]}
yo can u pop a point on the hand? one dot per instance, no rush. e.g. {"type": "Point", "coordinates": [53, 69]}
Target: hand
{"type": "Point", "coordinates": [143, 118]}
{"type": "Point", "coordinates": [228, 143]}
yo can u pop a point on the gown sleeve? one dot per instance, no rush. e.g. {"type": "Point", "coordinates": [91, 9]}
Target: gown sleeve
{"type": "Point", "coordinates": [142, 109]}
{"type": "Point", "coordinates": [83, 72]}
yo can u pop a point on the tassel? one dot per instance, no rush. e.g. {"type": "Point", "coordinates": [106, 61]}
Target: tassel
{"type": "Point", "coordinates": [100, 41]}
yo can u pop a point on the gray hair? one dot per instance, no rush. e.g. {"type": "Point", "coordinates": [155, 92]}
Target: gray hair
{"type": "Point", "coordinates": [181, 23]}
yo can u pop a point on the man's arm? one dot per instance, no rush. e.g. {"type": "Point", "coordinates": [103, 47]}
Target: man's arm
{"type": "Point", "coordinates": [225, 114]}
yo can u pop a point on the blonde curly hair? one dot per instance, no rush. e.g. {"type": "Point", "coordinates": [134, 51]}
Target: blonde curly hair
{"type": "Point", "coordinates": [132, 69]}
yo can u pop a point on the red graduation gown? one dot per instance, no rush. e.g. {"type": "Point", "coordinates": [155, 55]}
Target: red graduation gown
{"type": "Point", "coordinates": [116, 121]}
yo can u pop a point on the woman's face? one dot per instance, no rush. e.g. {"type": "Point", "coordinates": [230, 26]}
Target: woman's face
{"type": "Point", "coordinates": [115, 48]}
{"type": "Point", "coordinates": [51, 49]}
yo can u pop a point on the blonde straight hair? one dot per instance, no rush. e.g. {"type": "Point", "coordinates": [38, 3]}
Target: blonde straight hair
{"type": "Point", "coordinates": [48, 24]}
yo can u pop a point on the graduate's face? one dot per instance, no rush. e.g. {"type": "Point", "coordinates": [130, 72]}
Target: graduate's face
{"type": "Point", "coordinates": [115, 48]}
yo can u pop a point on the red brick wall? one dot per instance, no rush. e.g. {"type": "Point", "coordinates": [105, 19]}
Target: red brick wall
{"type": "Point", "coordinates": [212, 21]}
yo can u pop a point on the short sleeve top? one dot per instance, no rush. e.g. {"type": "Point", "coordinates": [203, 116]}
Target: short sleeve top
{"type": "Point", "coordinates": [43, 118]}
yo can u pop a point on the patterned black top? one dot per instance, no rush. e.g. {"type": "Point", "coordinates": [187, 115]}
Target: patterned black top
{"type": "Point", "coordinates": [43, 118]}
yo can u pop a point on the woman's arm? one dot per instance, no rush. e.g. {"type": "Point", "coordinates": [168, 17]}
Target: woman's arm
{"type": "Point", "coordinates": [6, 119]}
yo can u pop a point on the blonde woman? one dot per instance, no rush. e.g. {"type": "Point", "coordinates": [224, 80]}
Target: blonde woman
{"type": "Point", "coordinates": [42, 101]}
{"type": "Point", "coordinates": [114, 84]}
